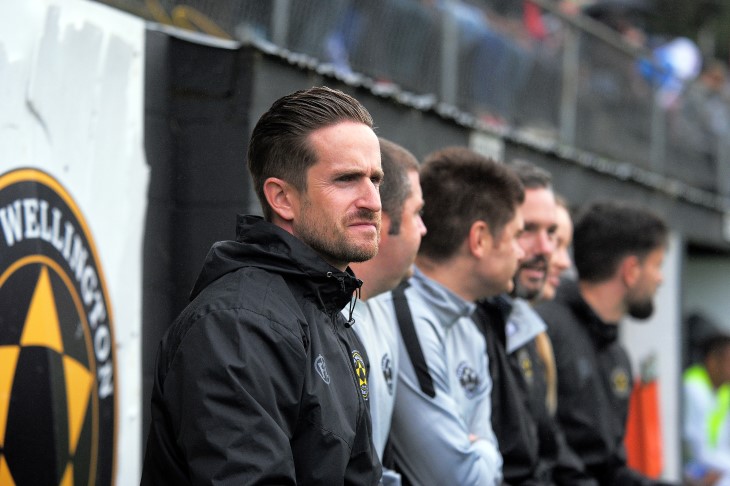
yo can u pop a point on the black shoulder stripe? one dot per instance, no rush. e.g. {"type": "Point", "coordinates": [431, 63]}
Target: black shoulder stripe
{"type": "Point", "coordinates": [408, 332]}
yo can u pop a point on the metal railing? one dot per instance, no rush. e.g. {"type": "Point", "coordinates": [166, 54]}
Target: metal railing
{"type": "Point", "coordinates": [575, 82]}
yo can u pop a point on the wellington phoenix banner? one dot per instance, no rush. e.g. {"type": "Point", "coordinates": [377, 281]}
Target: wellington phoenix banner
{"type": "Point", "coordinates": [73, 188]}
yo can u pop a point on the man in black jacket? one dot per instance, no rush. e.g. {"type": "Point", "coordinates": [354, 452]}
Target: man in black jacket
{"type": "Point", "coordinates": [618, 251]}
{"type": "Point", "coordinates": [532, 446]}
{"type": "Point", "coordinates": [261, 380]}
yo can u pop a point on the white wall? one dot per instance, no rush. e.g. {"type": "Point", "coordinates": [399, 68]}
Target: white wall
{"type": "Point", "coordinates": [707, 288]}
{"type": "Point", "coordinates": [661, 336]}
{"type": "Point", "coordinates": [71, 104]}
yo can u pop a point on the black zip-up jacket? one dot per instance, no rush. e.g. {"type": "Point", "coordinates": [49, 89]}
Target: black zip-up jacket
{"type": "Point", "coordinates": [259, 380]}
{"type": "Point", "coordinates": [594, 386]}
{"type": "Point", "coordinates": [533, 448]}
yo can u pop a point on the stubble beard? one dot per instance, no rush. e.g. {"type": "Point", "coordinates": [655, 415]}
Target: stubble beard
{"type": "Point", "coordinates": [524, 292]}
{"type": "Point", "coordinates": [337, 247]}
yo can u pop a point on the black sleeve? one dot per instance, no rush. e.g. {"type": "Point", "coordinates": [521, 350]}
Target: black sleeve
{"type": "Point", "coordinates": [231, 396]}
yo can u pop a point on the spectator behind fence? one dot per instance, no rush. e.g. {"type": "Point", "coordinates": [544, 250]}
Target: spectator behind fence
{"type": "Point", "coordinates": [442, 432]}
{"type": "Point", "coordinates": [257, 379]}
{"type": "Point", "coordinates": [532, 446]}
{"type": "Point", "coordinates": [400, 237]}
{"type": "Point", "coordinates": [618, 252]}
{"type": "Point", "coordinates": [706, 427]}
{"type": "Point", "coordinates": [706, 118]}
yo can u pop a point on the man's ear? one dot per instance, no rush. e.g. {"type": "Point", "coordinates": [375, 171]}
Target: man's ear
{"type": "Point", "coordinates": [630, 270]}
{"type": "Point", "coordinates": [282, 197]}
{"type": "Point", "coordinates": [479, 239]}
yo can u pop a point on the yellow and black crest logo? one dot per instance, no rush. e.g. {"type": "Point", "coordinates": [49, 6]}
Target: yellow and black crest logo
{"type": "Point", "coordinates": [620, 382]}
{"type": "Point", "coordinates": [361, 372]}
{"type": "Point", "coordinates": [57, 391]}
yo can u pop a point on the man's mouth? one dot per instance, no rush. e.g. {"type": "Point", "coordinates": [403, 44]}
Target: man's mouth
{"type": "Point", "coordinates": [535, 265]}
{"type": "Point", "coordinates": [364, 220]}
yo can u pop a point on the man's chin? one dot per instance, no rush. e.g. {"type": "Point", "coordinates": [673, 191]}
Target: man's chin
{"type": "Point", "coordinates": [527, 293]}
{"type": "Point", "coordinates": [362, 253]}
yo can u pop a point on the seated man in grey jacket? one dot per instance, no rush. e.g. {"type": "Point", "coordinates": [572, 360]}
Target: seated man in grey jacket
{"type": "Point", "coordinates": [442, 431]}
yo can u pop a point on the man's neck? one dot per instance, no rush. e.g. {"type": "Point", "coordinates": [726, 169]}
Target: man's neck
{"type": "Point", "coordinates": [605, 299]}
{"type": "Point", "coordinates": [372, 285]}
{"type": "Point", "coordinates": [452, 274]}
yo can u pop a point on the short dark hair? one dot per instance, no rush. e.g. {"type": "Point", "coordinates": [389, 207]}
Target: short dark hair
{"type": "Point", "coordinates": [460, 187]}
{"type": "Point", "coordinates": [714, 345]}
{"type": "Point", "coordinates": [396, 186]}
{"type": "Point", "coordinates": [532, 176]}
{"type": "Point", "coordinates": [279, 145]}
{"type": "Point", "coordinates": [608, 231]}
{"type": "Point", "coordinates": [561, 201]}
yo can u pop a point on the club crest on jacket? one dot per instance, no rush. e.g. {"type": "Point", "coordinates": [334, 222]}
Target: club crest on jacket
{"type": "Point", "coordinates": [361, 372]}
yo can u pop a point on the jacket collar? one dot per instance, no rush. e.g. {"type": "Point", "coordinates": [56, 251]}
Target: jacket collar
{"type": "Point", "coordinates": [446, 305]}
{"type": "Point", "coordinates": [264, 245]}
{"type": "Point", "coordinates": [603, 333]}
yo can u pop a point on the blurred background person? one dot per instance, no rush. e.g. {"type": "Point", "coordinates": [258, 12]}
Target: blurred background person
{"type": "Point", "coordinates": [706, 427]}
{"type": "Point", "coordinates": [533, 448]}
{"type": "Point", "coordinates": [560, 263]}
{"type": "Point", "coordinates": [618, 253]}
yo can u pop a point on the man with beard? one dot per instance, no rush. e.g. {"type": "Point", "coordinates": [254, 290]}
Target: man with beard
{"type": "Point", "coordinates": [618, 251]}
{"type": "Point", "coordinates": [532, 446]}
{"type": "Point", "coordinates": [261, 380]}
{"type": "Point", "coordinates": [560, 264]}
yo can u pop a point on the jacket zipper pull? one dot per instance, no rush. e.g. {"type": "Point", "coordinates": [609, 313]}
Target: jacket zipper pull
{"type": "Point", "coordinates": [351, 308]}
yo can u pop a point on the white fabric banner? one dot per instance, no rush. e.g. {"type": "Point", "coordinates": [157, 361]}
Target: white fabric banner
{"type": "Point", "coordinates": [73, 192]}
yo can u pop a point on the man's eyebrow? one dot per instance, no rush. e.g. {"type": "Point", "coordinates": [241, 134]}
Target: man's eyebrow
{"type": "Point", "coordinates": [348, 172]}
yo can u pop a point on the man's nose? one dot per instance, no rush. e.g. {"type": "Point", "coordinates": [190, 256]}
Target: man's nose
{"type": "Point", "coordinates": [422, 230]}
{"type": "Point", "coordinates": [370, 197]}
{"type": "Point", "coordinates": [545, 243]}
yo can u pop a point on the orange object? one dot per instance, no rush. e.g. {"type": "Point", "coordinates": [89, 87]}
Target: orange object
{"type": "Point", "coordinates": [643, 439]}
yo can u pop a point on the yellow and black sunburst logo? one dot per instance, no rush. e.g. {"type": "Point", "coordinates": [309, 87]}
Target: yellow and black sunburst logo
{"type": "Point", "coordinates": [57, 388]}
{"type": "Point", "coordinates": [361, 372]}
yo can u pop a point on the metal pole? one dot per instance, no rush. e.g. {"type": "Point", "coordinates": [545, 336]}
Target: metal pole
{"type": "Point", "coordinates": [449, 58]}
{"type": "Point", "coordinates": [569, 91]}
{"type": "Point", "coordinates": [280, 22]}
{"type": "Point", "coordinates": [658, 142]}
